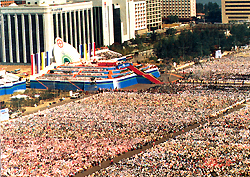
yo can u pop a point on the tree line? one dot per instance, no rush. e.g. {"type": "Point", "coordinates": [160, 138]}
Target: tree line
{"type": "Point", "coordinates": [190, 44]}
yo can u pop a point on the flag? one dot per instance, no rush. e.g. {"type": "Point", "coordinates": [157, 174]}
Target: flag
{"type": "Point", "coordinates": [38, 62]}
{"type": "Point", "coordinates": [32, 59]}
{"type": "Point", "coordinates": [43, 60]}
{"type": "Point", "coordinates": [48, 59]}
{"type": "Point", "coordinates": [85, 51]}
{"type": "Point", "coordinates": [89, 50]}
{"type": "Point", "coordinates": [93, 48]}
{"type": "Point", "coordinates": [80, 50]}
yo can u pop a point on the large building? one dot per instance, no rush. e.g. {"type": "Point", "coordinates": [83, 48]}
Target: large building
{"type": "Point", "coordinates": [121, 22]}
{"type": "Point", "coordinates": [140, 17]}
{"type": "Point", "coordinates": [154, 19]}
{"type": "Point", "coordinates": [181, 8]}
{"type": "Point", "coordinates": [127, 18]}
{"type": "Point", "coordinates": [235, 11]}
{"type": "Point", "coordinates": [103, 22]}
{"type": "Point", "coordinates": [32, 28]}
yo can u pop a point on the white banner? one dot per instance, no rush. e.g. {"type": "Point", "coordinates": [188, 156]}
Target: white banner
{"type": "Point", "coordinates": [4, 114]}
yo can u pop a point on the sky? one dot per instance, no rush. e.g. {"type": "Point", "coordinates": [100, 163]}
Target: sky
{"type": "Point", "coordinates": [206, 1]}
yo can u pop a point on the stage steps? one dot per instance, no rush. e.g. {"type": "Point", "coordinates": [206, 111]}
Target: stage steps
{"type": "Point", "coordinates": [150, 77]}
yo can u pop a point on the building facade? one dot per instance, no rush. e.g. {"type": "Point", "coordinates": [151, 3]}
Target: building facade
{"type": "Point", "coordinates": [103, 22]}
{"type": "Point", "coordinates": [127, 18]}
{"type": "Point", "coordinates": [180, 8]}
{"type": "Point", "coordinates": [235, 11]}
{"type": "Point", "coordinates": [140, 17]}
{"type": "Point", "coordinates": [154, 19]}
{"type": "Point", "coordinates": [32, 29]}
{"type": "Point", "coordinates": [117, 24]}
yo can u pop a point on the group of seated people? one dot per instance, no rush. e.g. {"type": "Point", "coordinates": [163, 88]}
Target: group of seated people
{"type": "Point", "coordinates": [218, 148]}
{"type": "Point", "coordinates": [227, 69]}
{"type": "Point", "coordinates": [76, 136]}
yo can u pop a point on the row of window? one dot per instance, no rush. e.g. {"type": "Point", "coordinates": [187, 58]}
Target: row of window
{"type": "Point", "coordinates": [237, 13]}
{"type": "Point", "coordinates": [237, 9]}
{"type": "Point", "coordinates": [159, 6]}
{"type": "Point", "coordinates": [178, 14]}
{"type": "Point", "coordinates": [237, 1]}
{"type": "Point", "coordinates": [180, 11]}
{"type": "Point", "coordinates": [151, 17]}
{"type": "Point", "coordinates": [176, 1]}
{"type": "Point", "coordinates": [141, 11]}
{"type": "Point", "coordinates": [140, 20]}
{"type": "Point", "coordinates": [142, 7]}
{"type": "Point", "coordinates": [239, 17]}
{"type": "Point", "coordinates": [138, 17]}
{"type": "Point", "coordinates": [178, 7]}
{"type": "Point", "coordinates": [154, 19]}
{"type": "Point", "coordinates": [154, 11]}
{"type": "Point", "coordinates": [140, 26]}
{"type": "Point", "coordinates": [150, 14]}
{"type": "Point", "coordinates": [153, 4]}
{"type": "Point", "coordinates": [237, 5]}
{"type": "Point", "coordinates": [143, 22]}
{"type": "Point", "coordinates": [141, 4]}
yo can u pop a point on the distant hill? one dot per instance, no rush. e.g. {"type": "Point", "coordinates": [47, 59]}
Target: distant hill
{"type": "Point", "coordinates": [206, 1]}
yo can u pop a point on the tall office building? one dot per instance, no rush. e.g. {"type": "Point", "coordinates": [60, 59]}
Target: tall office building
{"type": "Point", "coordinates": [180, 8]}
{"type": "Point", "coordinates": [135, 21]}
{"type": "Point", "coordinates": [103, 22]}
{"type": "Point", "coordinates": [117, 21]}
{"type": "Point", "coordinates": [140, 17]}
{"type": "Point", "coordinates": [127, 18]}
{"type": "Point", "coordinates": [32, 28]}
{"type": "Point", "coordinates": [154, 19]}
{"type": "Point", "coordinates": [235, 11]}
{"type": "Point", "coordinates": [117, 24]}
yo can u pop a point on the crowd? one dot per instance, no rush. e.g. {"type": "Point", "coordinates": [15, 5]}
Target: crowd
{"type": "Point", "coordinates": [109, 55]}
{"type": "Point", "coordinates": [172, 88]}
{"type": "Point", "coordinates": [226, 69]}
{"type": "Point", "coordinates": [63, 140]}
{"type": "Point", "coordinates": [218, 148]}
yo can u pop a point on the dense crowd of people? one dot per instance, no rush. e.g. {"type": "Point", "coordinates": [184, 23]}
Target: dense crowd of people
{"type": "Point", "coordinates": [109, 55]}
{"type": "Point", "coordinates": [227, 69]}
{"type": "Point", "coordinates": [63, 140]}
{"type": "Point", "coordinates": [76, 136]}
{"type": "Point", "coordinates": [218, 148]}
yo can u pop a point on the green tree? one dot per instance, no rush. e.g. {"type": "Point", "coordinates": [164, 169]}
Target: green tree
{"type": "Point", "coordinates": [212, 11]}
{"type": "Point", "coordinates": [173, 19]}
{"type": "Point", "coordinates": [199, 8]}
{"type": "Point", "coordinates": [170, 31]}
{"type": "Point", "coordinates": [240, 34]}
